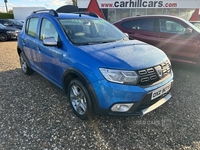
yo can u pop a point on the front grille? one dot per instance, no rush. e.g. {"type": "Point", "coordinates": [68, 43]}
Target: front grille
{"type": "Point", "coordinates": [166, 69]}
{"type": "Point", "coordinates": [151, 75]}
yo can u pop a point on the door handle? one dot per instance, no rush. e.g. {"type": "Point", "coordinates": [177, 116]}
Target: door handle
{"type": "Point", "coordinates": [65, 55]}
{"type": "Point", "coordinates": [38, 48]}
{"type": "Point", "coordinates": [23, 42]}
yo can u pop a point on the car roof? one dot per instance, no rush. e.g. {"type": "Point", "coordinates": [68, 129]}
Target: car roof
{"type": "Point", "coordinates": [55, 14]}
{"type": "Point", "coordinates": [195, 21]}
{"type": "Point", "coordinates": [151, 16]}
{"type": "Point", "coordinates": [74, 15]}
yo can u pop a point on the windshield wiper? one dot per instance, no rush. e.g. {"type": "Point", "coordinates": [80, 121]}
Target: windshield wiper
{"type": "Point", "coordinates": [92, 43]}
{"type": "Point", "coordinates": [100, 42]}
{"type": "Point", "coordinates": [124, 39]}
{"type": "Point", "coordinates": [86, 43]}
{"type": "Point", "coordinates": [108, 41]}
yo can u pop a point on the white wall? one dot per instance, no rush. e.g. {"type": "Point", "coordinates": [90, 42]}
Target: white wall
{"type": "Point", "coordinates": [22, 12]}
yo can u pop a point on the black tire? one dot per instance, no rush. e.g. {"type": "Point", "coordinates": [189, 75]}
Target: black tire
{"type": "Point", "coordinates": [3, 37]}
{"type": "Point", "coordinates": [24, 65]}
{"type": "Point", "coordinates": [80, 100]}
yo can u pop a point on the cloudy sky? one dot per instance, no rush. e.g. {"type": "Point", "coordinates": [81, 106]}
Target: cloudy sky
{"type": "Point", "coordinates": [54, 4]}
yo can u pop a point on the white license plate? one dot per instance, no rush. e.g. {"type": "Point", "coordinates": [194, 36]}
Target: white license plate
{"type": "Point", "coordinates": [160, 91]}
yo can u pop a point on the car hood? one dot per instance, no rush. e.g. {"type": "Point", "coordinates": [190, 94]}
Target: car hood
{"type": "Point", "coordinates": [131, 54]}
{"type": "Point", "coordinates": [10, 29]}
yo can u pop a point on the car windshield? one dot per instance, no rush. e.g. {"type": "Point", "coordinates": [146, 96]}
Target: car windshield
{"type": "Point", "coordinates": [2, 26]}
{"type": "Point", "coordinates": [91, 31]}
{"type": "Point", "coordinates": [196, 24]}
{"type": "Point", "coordinates": [17, 22]}
{"type": "Point", "coordinates": [193, 26]}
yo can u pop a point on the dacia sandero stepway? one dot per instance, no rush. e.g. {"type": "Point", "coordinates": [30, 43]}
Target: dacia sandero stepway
{"type": "Point", "coordinates": [99, 68]}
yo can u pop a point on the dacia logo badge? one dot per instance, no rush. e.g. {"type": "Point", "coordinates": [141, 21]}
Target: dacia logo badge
{"type": "Point", "coordinates": [159, 71]}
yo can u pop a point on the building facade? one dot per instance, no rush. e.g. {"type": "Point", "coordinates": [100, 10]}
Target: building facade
{"type": "Point", "coordinates": [117, 9]}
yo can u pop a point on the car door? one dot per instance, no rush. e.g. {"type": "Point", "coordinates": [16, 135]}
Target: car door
{"type": "Point", "coordinates": [174, 40]}
{"type": "Point", "coordinates": [50, 57]}
{"type": "Point", "coordinates": [142, 29]}
{"type": "Point", "coordinates": [29, 40]}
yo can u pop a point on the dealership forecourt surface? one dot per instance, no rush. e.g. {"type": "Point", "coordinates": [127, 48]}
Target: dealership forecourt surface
{"type": "Point", "coordinates": [35, 114]}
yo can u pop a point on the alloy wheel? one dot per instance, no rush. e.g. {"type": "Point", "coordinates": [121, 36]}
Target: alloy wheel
{"type": "Point", "coordinates": [78, 99]}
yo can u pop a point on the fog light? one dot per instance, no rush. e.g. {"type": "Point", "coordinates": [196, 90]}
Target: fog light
{"type": "Point", "coordinates": [121, 107]}
{"type": "Point", "coordinates": [118, 107]}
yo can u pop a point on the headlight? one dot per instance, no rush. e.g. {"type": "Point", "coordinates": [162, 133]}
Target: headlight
{"type": "Point", "coordinates": [11, 32]}
{"type": "Point", "coordinates": [168, 61]}
{"type": "Point", "coordinates": [120, 76]}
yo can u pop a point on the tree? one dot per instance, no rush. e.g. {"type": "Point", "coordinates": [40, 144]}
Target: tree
{"type": "Point", "coordinates": [10, 11]}
{"type": "Point", "coordinates": [5, 1]}
{"type": "Point", "coordinates": [74, 2]}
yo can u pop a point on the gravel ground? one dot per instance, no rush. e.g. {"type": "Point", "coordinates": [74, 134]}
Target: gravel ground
{"type": "Point", "coordinates": [35, 115]}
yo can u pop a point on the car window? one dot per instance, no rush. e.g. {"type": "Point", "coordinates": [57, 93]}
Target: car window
{"type": "Point", "coordinates": [16, 22]}
{"type": "Point", "coordinates": [48, 30]}
{"type": "Point", "coordinates": [171, 26]}
{"type": "Point", "coordinates": [2, 26]}
{"type": "Point", "coordinates": [90, 31]}
{"type": "Point", "coordinates": [6, 23]}
{"type": "Point", "coordinates": [31, 26]}
{"type": "Point", "coordinates": [140, 24]}
{"type": "Point", "coordinates": [196, 24]}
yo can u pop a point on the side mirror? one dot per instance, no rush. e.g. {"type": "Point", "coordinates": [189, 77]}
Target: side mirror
{"type": "Point", "coordinates": [50, 41]}
{"type": "Point", "coordinates": [188, 31]}
{"type": "Point", "coordinates": [130, 38]}
{"type": "Point", "coordinates": [126, 34]}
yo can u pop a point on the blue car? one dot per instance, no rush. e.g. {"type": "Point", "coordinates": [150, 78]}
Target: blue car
{"type": "Point", "coordinates": [99, 68]}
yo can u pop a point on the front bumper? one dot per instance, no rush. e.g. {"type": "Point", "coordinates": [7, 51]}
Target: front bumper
{"type": "Point", "coordinates": [145, 106]}
{"type": "Point", "coordinates": [111, 94]}
{"type": "Point", "coordinates": [156, 104]}
{"type": "Point", "coordinates": [13, 36]}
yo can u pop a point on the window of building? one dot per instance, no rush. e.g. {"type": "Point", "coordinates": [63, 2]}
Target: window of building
{"type": "Point", "coordinates": [111, 15]}
{"type": "Point", "coordinates": [154, 11]}
{"type": "Point", "coordinates": [186, 13]}
{"type": "Point", "coordinates": [122, 13]}
{"type": "Point", "coordinates": [140, 12]}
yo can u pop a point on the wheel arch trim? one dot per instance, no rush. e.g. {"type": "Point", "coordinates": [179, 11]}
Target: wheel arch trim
{"type": "Point", "coordinates": [76, 73]}
{"type": "Point", "coordinates": [19, 51]}
{"type": "Point", "coordinates": [86, 82]}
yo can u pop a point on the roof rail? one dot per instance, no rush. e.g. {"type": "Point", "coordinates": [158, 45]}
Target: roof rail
{"type": "Point", "coordinates": [87, 13]}
{"type": "Point", "coordinates": [50, 11]}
